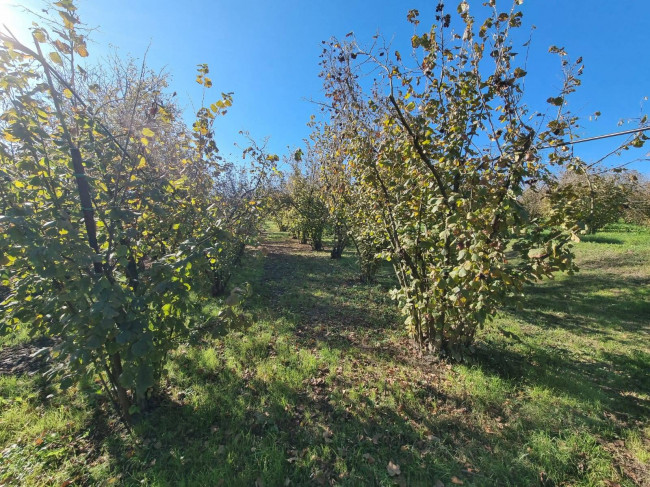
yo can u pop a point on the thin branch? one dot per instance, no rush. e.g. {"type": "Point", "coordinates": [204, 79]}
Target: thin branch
{"type": "Point", "coordinates": [597, 137]}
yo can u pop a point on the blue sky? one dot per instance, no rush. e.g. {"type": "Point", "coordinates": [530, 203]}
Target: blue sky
{"type": "Point", "coordinates": [267, 54]}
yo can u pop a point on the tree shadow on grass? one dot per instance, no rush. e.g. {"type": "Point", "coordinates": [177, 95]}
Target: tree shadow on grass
{"type": "Point", "coordinates": [327, 304]}
{"type": "Point", "coordinates": [617, 381]}
{"type": "Point", "coordinates": [613, 310]}
{"type": "Point", "coordinates": [614, 265]}
{"type": "Point", "coordinates": [601, 239]}
{"type": "Point", "coordinates": [591, 304]}
{"type": "Point", "coordinates": [231, 427]}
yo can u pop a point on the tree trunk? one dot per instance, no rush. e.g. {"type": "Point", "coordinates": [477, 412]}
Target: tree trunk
{"type": "Point", "coordinates": [122, 396]}
{"type": "Point", "coordinates": [86, 205]}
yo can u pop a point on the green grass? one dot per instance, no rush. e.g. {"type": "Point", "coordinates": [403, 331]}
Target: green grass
{"type": "Point", "coordinates": [325, 389]}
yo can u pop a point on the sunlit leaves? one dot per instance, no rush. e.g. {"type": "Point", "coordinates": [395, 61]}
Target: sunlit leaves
{"type": "Point", "coordinates": [39, 35]}
{"type": "Point", "coordinates": [81, 50]}
{"type": "Point", "coordinates": [62, 47]}
{"type": "Point", "coordinates": [56, 58]}
{"type": "Point", "coordinates": [436, 160]}
{"type": "Point", "coordinates": [166, 234]}
{"type": "Point", "coordinates": [68, 18]}
{"type": "Point", "coordinates": [67, 5]}
{"type": "Point", "coordinates": [201, 77]}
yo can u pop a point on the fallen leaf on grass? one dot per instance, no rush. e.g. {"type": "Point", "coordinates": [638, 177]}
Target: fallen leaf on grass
{"type": "Point", "coordinates": [393, 469]}
{"type": "Point", "coordinates": [327, 435]}
{"type": "Point", "coordinates": [368, 458]}
{"type": "Point", "coordinates": [545, 480]}
{"type": "Point", "coordinates": [456, 480]}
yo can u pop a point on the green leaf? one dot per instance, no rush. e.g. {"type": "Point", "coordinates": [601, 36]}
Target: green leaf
{"type": "Point", "coordinates": [144, 378]}
{"type": "Point", "coordinates": [142, 347]}
{"type": "Point", "coordinates": [94, 341]}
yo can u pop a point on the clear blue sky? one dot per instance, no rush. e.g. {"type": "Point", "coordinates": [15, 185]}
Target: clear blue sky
{"type": "Point", "coordinates": [267, 54]}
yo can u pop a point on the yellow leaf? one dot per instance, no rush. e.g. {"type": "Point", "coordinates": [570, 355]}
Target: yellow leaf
{"type": "Point", "coordinates": [10, 137]}
{"type": "Point", "coordinates": [147, 132]}
{"type": "Point", "coordinates": [81, 50]}
{"type": "Point", "coordinates": [54, 56]}
{"type": "Point", "coordinates": [39, 35]}
{"type": "Point", "coordinates": [144, 141]}
{"type": "Point", "coordinates": [68, 20]}
{"type": "Point", "coordinates": [62, 47]}
{"type": "Point", "coordinates": [67, 93]}
{"type": "Point", "coordinates": [142, 163]}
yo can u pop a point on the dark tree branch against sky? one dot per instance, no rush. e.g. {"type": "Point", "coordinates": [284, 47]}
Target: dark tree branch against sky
{"type": "Point", "coordinates": [267, 54]}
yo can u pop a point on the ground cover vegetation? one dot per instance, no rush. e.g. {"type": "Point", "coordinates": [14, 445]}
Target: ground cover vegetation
{"type": "Point", "coordinates": [325, 389]}
{"type": "Point", "coordinates": [172, 318]}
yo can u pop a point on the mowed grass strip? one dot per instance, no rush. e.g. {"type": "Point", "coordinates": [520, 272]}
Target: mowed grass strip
{"type": "Point", "coordinates": [325, 389]}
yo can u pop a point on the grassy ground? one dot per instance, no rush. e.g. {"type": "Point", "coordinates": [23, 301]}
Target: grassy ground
{"type": "Point", "coordinates": [324, 389]}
